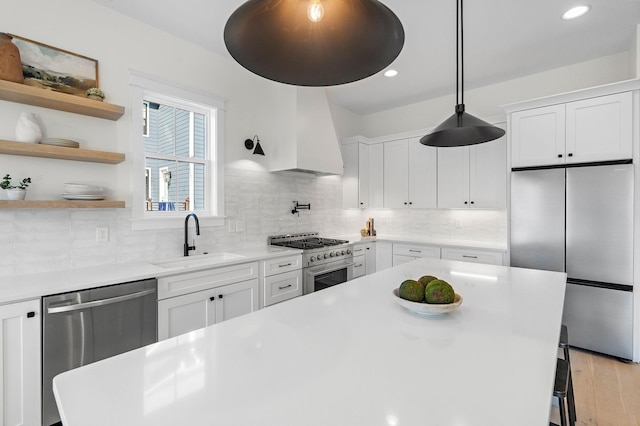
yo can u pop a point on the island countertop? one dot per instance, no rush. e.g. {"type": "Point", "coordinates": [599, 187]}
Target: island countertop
{"type": "Point", "coordinates": [347, 356]}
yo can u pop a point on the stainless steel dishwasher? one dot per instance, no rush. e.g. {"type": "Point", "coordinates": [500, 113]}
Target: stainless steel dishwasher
{"type": "Point", "coordinates": [82, 327]}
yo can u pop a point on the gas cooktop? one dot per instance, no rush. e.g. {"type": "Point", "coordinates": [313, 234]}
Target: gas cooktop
{"type": "Point", "coordinates": [305, 241]}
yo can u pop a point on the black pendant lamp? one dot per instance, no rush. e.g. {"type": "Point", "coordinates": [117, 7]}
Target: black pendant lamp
{"type": "Point", "coordinates": [314, 42]}
{"type": "Point", "coordinates": [461, 128]}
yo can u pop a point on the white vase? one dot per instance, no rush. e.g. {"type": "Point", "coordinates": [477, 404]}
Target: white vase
{"type": "Point", "coordinates": [16, 193]}
{"type": "Point", "coordinates": [28, 129]}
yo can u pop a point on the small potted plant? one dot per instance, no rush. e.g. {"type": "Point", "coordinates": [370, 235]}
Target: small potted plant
{"type": "Point", "coordinates": [15, 192]}
{"type": "Point", "coordinates": [95, 94]}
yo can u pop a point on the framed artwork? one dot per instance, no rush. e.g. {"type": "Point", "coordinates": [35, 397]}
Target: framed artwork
{"type": "Point", "coordinates": [55, 69]}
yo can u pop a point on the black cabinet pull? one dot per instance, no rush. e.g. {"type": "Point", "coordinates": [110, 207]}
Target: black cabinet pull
{"type": "Point", "coordinates": [571, 154]}
{"type": "Point", "coordinates": [410, 203]}
{"type": "Point", "coordinates": [466, 202]}
{"type": "Point", "coordinates": [405, 203]}
{"type": "Point", "coordinates": [559, 155]}
{"type": "Point", "coordinates": [283, 287]}
{"type": "Point", "coordinates": [473, 202]}
{"type": "Point", "coordinates": [212, 298]}
{"type": "Point", "coordinates": [220, 296]}
{"type": "Point", "coordinates": [31, 314]}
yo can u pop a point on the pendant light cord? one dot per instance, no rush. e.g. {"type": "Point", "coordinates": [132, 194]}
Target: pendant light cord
{"type": "Point", "coordinates": [459, 53]}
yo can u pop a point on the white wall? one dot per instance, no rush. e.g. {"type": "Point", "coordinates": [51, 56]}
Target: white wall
{"type": "Point", "coordinates": [486, 101]}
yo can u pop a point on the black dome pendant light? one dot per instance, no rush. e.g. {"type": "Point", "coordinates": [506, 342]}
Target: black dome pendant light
{"type": "Point", "coordinates": [461, 128]}
{"type": "Point", "coordinates": [314, 42]}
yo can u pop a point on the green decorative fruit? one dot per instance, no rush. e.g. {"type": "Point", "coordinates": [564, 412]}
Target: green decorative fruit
{"type": "Point", "coordinates": [439, 292]}
{"type": "Point", "coordinates": [412, 290]}
{"type": "Point", "coordinates": [426, 279]}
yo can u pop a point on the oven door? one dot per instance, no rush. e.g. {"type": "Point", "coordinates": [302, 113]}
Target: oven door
{"type": "Point", "coordinates": [327, 275]}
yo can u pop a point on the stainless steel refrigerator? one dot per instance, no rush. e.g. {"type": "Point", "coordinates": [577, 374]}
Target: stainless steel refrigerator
{"type": "Point", "coordinates": [579, 220]}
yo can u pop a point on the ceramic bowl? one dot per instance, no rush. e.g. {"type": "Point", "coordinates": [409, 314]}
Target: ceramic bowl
{"type": "Point", "coordinates": [428, 308]}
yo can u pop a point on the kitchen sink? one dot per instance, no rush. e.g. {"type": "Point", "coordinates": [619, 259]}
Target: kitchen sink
{"type": "Point", "coordinates": [196, 260]}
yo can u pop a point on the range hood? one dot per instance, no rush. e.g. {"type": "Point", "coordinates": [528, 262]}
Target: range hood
{"type": "Point", "coordinates": [314, 147]}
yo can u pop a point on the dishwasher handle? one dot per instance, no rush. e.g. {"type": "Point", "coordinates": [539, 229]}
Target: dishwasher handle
{"type": "Point", "coordinates": [102, 302]}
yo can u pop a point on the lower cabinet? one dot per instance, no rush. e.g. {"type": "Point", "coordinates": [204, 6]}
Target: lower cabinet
{"type": "Point", "coordinates": [384, 255]}
{"type": "Point", "coordinates": [20, 364]}
{"type": "Point", "coordinates": [364, 259]}
{"type": "Point", "coordinates": [473, 255]}
{"type": "Point", "coordinates": [403, 253]}
{"type": "Point", "coordinates": [281, 279]}
{"type": "Point", "coordinates": [222, 294]}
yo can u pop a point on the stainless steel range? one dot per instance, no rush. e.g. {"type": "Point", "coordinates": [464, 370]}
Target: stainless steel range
{"type": "Point", "coordinates": [326, 261]}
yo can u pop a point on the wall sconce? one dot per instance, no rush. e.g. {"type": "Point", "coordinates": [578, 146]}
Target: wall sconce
{"type": "Point", "coordinates": [248, 143]}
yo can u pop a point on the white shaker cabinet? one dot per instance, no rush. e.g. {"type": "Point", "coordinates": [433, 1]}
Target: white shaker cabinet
{"type": "Point", "coordinates": [410, 172]}
{"type": "Point", "coordinates": [364, 258]}
{"type": "Point", "coordinates": [403, 253]}
{"type": "Point", "coordinates": [473, 176]}
{"type": "Point", "coordinates": [20, 368]}
{"type": "Point", "coordinates": [588, 130]}
{"type": "Point", "coordinates": [384, 255]}
{"type": "Point", "coordinates": [282, 279]}
{"type": "Point", "coordinates": [362, 179]}
{"type": "Point", "coordinates": [194, 300]}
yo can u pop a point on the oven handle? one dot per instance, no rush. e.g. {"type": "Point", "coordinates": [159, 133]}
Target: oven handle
{"type": "Point", "coordinates": [331, 269]}
{"type": "Point", "coordinates": [102, 302]}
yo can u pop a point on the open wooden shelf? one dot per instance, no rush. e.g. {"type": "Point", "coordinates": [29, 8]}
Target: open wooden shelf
{"type": "Point", "coordinates": [59, 152]}
{"type": "Point", "coordinates": [60, 204]}
{"type": "Point", "coordinates": [24, 94]}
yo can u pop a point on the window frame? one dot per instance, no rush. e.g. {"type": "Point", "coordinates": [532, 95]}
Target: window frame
{"type": "Point", "coordinates": [143, 86]}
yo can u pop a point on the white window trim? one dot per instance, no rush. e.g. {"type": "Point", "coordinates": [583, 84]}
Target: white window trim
{"type": "Point", "coordinates": [140, 84]}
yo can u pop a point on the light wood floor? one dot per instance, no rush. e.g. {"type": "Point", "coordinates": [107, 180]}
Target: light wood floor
{"type": "Point", "coordinates": [607, 391]}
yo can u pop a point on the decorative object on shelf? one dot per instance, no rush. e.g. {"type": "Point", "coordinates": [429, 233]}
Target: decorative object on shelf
{"type": "Point", "coordinates": [72, 73]}
{"type": "Point", "coordinates": [249, 144]}
{"type": "Point", "coordinates": [326, 43]}
{"type": "Point", "coordinates": [369, 229]}
{"type": "Point", "coordinates": [28, 130]}
{"type": "Point", "coordinates": [10, 63]}
{"type": "Point", "coordinates": [15, 192]}
{"type": "Point", "coordinates": [461, 128]}
{"type": "Point", "coordinates": [81, 191]}
{"type": "Point", "coordinates": [67, 143]}
{"type": "Point", "coordinates": [297, 206]}
{"type": "Point", "coordinates": [95, 94]}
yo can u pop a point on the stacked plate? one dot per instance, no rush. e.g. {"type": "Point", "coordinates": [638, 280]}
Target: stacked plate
{"type": "Point", "coordinates": [60, 142]}
{"type": "Point", "coordinates": [80, 191]}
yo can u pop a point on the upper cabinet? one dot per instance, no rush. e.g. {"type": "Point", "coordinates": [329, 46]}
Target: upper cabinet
{"type": "Point", "coordinates": [362, 178]}
{"type": "Point", "coordinates": [588, 130]}
{"type": "Point", "coordinates": [473, 176]}
{"type": "Point", "coordinates": [410, 173]}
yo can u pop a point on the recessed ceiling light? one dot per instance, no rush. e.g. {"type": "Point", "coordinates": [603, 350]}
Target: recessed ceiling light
{"type": "Point", "coordinates": [575, 12]}
{"type": "Point", "coordinates": [390, 73]}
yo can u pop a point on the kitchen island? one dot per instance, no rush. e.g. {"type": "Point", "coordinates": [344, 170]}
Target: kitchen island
{"type": "Point", "coordinates": [348, 355]}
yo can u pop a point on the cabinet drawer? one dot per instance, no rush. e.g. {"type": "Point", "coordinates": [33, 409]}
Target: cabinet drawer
{"type": "Point", "coordinates": [195, 281]}
{"type": "Point", "coordinates": [359, 266]}
{"type": "Point", "coordinates": [475, 256]}
{"type": "Point", "coordinates": [416, 251]}
{"type": "Point", "coordinates": [282, 264]}
{"type": "Point", "coordinates": [278, 288]}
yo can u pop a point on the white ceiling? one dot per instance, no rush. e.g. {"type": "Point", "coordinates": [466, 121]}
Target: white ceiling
{"type": "Point", "coordinates": [504, 39]}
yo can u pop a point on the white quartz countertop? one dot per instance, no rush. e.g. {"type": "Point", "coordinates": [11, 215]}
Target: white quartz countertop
{"type": "Point", "coordinates": [346, 356]}
{"type": "Point", "coordinates": [419, 239]}
{"type": "Point", "coordinates": [15, 288]}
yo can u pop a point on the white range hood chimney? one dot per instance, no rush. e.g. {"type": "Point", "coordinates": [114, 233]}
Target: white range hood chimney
{"type": "Point", "coordinates": [315, 148]}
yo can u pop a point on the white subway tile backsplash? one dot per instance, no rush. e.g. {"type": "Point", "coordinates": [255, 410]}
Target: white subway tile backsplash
{"type": "Point", "coordinates": [48, 240]}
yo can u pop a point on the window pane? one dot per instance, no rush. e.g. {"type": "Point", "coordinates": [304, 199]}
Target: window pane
{"type": "Point", "coordinates": [199, 135]}
{"type": "Point", "coordinates": [199, 187]}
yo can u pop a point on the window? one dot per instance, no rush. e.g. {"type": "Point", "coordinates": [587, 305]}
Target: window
{"type": "Point", "coordinates": [178, 162]}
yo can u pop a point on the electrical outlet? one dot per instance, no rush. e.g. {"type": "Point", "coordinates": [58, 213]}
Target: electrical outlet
{"type": "Point", "coordinates": [241, 226]}
{"type": "Point", "coordinates": [102, 234]}
{"type": "Point", "coordinates": [231, 226]}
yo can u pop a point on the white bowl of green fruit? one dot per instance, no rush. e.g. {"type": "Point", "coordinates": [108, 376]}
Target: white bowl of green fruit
{"type": "Point", "coordinates": [427, 296]}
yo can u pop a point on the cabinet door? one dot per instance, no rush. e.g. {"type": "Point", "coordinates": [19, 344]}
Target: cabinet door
{"type": "Point", "coordinates": [281, 287]}
{"type": "Point", "coordinates": [182, 314]}
{"type": "Point", "coordinates": [453, 177]}
{"type": "Point", "coordinates": [538, 136]}
{"type": "Point", "coordinates": [363, 175]}
{"type": "Point", "coordinates": [473, 255]}
{"type": "Point", "coordinates": [350, 179]}
{"type": "Point", "coordinates": [236, 299]}
{"type": "Point", "coordinates": [384, 255]}
{"type": "Point", "coordinates": [423, 175]}
{"type": "Point", "coordinates": [488, 174]}
{"type": "Point", "coordinates": [599, 129]}
{"type": "Point", "coordinates": [20, 367]}
{"type": "Point", "coordinates": [396, 174]}
{"type": "Point", "coordinates": [370, 258]}
{"type": "Point", "coordinates": [376, 176]}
